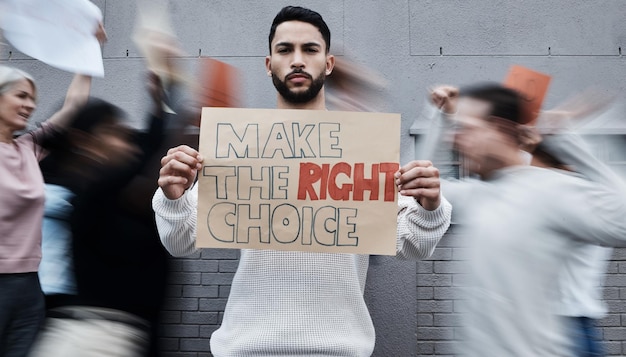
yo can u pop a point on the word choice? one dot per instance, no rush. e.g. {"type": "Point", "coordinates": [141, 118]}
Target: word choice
{"type": "Point", "coordinates": [242, 223]}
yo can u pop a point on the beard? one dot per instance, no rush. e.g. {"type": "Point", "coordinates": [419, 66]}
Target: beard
{"type": "Point", "coordinates": [299, 97]}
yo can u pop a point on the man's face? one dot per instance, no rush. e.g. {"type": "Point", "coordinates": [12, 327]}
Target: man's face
{"type": "Point", "coordinates": [298, 63]}
{"type": "Point", "coordinates": [481, 139]}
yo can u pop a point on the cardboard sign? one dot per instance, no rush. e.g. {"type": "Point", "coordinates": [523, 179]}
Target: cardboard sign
{"type": "Point", "coordinates": [533, 87]}
{"type": "Point", "coordinates": [299, 180]}
{"type": "Point", "coordinates": [155, 38]}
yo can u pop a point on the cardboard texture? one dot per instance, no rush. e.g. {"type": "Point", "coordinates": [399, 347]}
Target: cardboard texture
{"type": "Point", "coordinates": [532, 85]}
{"type": "Point", "coordinates": [299, 180]}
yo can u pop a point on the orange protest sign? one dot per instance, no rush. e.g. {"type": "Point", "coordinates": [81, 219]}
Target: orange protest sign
{"type": "Point", "coordinates": [298, 180]}
{"type": "Point", "coordinates": [218, 85]}
{"type": "Point", "coordinates": [532, 86]}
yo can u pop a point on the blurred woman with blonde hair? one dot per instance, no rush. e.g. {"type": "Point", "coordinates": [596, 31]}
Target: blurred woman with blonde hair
{"type": "Point", "coordinates": [21, 212]}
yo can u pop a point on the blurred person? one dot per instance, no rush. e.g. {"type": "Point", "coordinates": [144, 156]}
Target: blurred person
{"type": "Point", "coordinates": [98, 144]}
{"type": "Point", "coordinates": [581, 282]}
{"type": "Point", "coordinates": [580, 297]}
{"type": "Point", "coordinates": [523, 221]}
{"type": "Point", "coordinates": [354, 87]}
{"type": "Point", "coordinates": [330, 317]}
{"type": "Point", "coordinates": [22, 189]}
{"type": "Point", "coordinates": [581, 279]}
{"type": "Point", "coordinates": [120, 269]}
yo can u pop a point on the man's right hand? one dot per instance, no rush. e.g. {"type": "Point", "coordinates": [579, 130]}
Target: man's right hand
{"type": "Point", "coordinates": [178, 170]}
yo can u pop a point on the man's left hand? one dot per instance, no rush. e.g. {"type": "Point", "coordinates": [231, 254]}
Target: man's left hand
{"type": "Point", "coordinates": [420, 179]}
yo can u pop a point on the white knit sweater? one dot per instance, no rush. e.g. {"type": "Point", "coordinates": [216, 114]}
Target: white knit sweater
{"type": "Point", "coordinates": [297, 303]}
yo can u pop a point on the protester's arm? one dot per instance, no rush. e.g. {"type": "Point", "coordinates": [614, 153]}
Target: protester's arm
{"type": "Point", "coordinates": [150, 140]}
{"type": "Point", "coordinates": [423, 214]}
{"type": "Point", "coordinates": [438, 112]}
{"type": "Point", "coordinates": [77, 95]}
{"type": "Point", "coordinates": [596, 211]}
{"type": "Point", "coordinates": [77, 92]}
{"type": "Point", "coordinates": [176, 221]}
{"type": "Point", "coordinates": [572, 151]}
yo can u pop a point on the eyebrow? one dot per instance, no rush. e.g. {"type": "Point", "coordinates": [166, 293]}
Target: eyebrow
{"type": "Point", "coordinates": [290, 44]}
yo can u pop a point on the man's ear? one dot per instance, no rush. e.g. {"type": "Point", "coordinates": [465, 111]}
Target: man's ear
{"type": "Point", "coordinates": [268, 65]}
{"type": "Point", "coordinates": [330, 64]}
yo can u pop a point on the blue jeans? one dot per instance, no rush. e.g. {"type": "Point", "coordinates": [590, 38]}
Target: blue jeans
{"type": "Point", "coordinates": [22, 311]}
{"type": "Point", "coordinates": [585, 337]}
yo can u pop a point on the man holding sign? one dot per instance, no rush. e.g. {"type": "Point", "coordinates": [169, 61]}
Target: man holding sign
{"type": "Point", "coordinates": [290, 302]}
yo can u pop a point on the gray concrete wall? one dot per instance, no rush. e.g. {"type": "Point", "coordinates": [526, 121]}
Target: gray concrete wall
{"type": "Point", "coordinates": [413, 44]}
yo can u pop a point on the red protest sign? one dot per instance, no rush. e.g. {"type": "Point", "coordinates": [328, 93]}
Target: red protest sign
{"type": "Point", "coordinates": [532, 86]}
{"type": "Point", "coordinates": [218, 86]}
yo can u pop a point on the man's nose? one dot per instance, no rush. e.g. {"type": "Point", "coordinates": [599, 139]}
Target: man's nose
{"type": "Point", "coordinates": [297, 60]}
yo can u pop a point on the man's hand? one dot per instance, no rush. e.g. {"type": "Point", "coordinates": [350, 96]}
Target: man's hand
{"type": "Point", "coordinates": [420, 179]}
{"type": "Point", "coordinates": [444, 98]}
{"type": "Point", "coordinates": [178, 170]}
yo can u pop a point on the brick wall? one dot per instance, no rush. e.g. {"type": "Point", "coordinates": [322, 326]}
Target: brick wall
{"type": "Point", "coordinates": [196, 298]}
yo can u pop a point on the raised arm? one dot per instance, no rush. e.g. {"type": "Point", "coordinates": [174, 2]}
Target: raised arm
{"type": "Point", "coordinates": [438, 112]}
{"type": "Point", "coordinates": [77, 95]}
{"type": "Point", "coordinates": [78, 91]}
{"type": "Point", "coordinates": [597, 206]}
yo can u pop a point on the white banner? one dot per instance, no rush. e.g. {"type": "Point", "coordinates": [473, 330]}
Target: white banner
{"type": "Point", "coordinates": [60, 33]}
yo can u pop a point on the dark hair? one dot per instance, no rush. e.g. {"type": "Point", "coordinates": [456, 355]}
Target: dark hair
{"type": "Point", "coordinates": [63, 151]}
{"type": "Point", "coordinates": [505, 103]}
{"type": "Point", "coordinates": [297, 13]}
{"type": "Point", "coordinates": [96, 112]}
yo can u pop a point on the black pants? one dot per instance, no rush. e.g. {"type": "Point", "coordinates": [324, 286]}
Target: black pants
{"type": "Point", "coordinates": [22, 311]}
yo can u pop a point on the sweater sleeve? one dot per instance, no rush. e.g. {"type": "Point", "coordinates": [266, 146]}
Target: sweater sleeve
{"type": "Point", "coordinates": [572, 150]}
{"type": "Point", "coordinates": [419, 230]}
{"type": "Point", "coordinates": [595, 211]}
{"type": "Point", "coordinates": [41, 138]}
{"type": "Point", "coordinates": [439, 124]}
{"type": "Point", "coordinates": [176, 221]}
